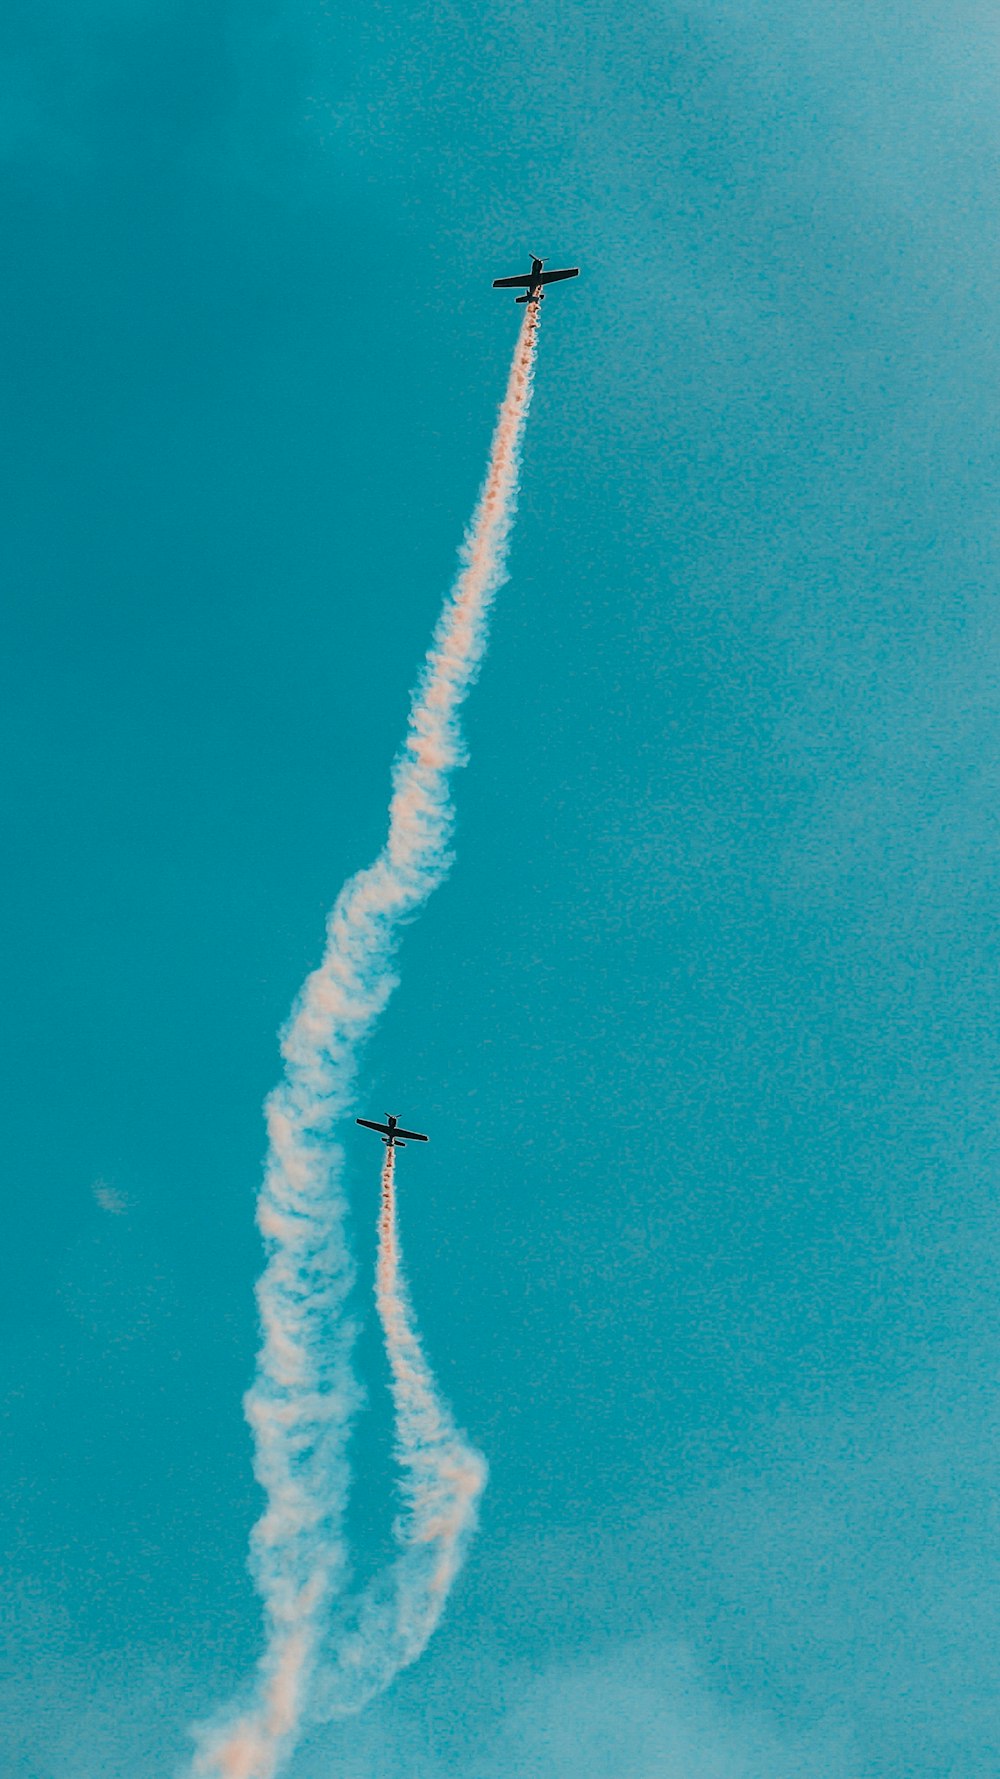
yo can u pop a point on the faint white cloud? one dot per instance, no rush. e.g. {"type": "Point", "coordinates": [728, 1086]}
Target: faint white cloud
{"type": "Point", "coordinates": [638, 1710]}
{"type": "Point", "coordinates": [643, 1711]}
{"type": "Point", "coordinates": [110, 1198]}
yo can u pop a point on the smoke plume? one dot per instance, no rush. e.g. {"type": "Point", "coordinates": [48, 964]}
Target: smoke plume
{"type": "Point", "coordinates": [303, 1398]}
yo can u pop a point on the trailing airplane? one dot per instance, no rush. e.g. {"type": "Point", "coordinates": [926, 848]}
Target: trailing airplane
{"type": "Point", "coordinates": [531, 283]}
{"type": "Point", "coordinates": [391, 1133]}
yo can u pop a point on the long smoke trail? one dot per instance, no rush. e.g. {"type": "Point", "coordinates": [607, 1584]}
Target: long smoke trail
{"type": "Point", "coordinates": [302, 1401]}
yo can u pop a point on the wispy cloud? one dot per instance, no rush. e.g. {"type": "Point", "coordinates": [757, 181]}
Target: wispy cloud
{"type": "Point", "coordinates": [110, 1198]}
{"type": "Point", "coordinates": [642, 1708]}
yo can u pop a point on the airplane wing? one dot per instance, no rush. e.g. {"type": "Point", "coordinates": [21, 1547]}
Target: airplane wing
{"type": "Point", "coordinates": [414, 1136]}
{"type": "Point", "coordinates": [512, 283]}
{"type": "Point", "coordinates": [369, 1125]}
{"type": "Point", "coordinates": [554, 277]}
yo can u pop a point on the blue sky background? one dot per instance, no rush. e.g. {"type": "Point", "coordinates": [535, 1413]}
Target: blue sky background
{"type": "Point", "coordinates": [703, 1025]}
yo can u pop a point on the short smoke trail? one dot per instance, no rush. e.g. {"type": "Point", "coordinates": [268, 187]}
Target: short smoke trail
{"type": "Point", "coordinates": [443, 1479]}
{"type": "Point", "coordinates": [303, 1398]}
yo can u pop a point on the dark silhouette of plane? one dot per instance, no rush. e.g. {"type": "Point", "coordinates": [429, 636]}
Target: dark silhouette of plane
{"type": "Point", "coordinates": [531, 283]}
{"type": "Point", "coordinates": [391, 1133]}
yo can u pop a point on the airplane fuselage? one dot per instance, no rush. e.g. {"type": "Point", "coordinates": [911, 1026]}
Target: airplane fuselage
{"type": "Point", "coordinates": [535, 293]}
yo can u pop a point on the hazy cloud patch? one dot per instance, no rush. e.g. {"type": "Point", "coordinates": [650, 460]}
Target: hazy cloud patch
{"type": "Point", "coordinates": [110, 1198]}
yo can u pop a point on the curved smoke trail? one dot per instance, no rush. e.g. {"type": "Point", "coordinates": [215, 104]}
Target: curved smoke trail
{"type": "Point", "coordinates": [304, 1395]}
{"type": "Point", "coordinates": [443, 1477]}
{"type": "Point", "coordinates": [442, 1481]}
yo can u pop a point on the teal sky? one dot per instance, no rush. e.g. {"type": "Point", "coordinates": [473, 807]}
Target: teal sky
{"type": "Point", "coordinates": [703, 1025]}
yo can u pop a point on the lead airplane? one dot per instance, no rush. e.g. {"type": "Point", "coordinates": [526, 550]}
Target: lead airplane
{"type": "Point", "coordinates": [531, 282]}
{"type": "Point", "coordinates": [391, 1133]}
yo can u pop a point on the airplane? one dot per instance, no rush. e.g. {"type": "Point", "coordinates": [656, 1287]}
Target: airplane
{"type": "Point", "coordinates": [391, 1132]}
{"type": "Point", "coordinates": [532, 281]}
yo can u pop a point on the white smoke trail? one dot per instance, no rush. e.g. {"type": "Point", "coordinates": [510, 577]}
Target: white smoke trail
{"type": "Point", "coordinates": [304, 1395]}
{"type": "Point", "coordinates": [443, 1479]}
